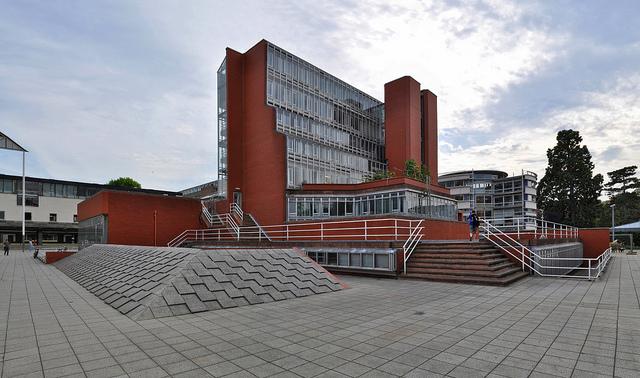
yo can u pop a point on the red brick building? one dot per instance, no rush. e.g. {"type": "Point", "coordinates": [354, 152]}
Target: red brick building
{"type": "Point", "coordinates": [288, 129]}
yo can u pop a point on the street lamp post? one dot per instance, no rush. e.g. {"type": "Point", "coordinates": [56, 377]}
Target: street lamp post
{"type": "Point", "coordinates": [7, 143]}
{"type": "Point", "coordinates": [613, 222]}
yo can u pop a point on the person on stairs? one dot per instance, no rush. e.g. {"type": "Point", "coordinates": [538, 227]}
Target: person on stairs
{"type": "Point", "coordinates": [474, 224]}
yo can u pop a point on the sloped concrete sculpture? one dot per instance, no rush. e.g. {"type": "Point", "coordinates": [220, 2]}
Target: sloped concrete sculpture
{"type": "Point", "coordinates": [154, 282]}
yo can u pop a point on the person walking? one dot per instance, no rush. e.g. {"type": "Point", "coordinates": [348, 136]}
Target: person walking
{"type": "Point", "coordinates": [6, 246]}
{"type": "Point", "coordinates": [474, 224]}
{"type": "Point", "coordinates": [32, 248]}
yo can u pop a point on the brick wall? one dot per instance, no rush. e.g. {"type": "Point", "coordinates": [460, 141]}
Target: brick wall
{"type": "Point", "coordinates": [142, 219]}
{"type": "Point", "coordinates": [594, 241]}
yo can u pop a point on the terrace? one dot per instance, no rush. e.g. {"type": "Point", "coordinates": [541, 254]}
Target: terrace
{"type": "Point", "coordinates": [51, 326]}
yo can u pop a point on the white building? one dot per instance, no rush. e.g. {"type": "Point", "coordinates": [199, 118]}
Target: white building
{"type": "Point", "coordinates": [51, 208]}
{"type": "Point", "coordinates": [493, 194]}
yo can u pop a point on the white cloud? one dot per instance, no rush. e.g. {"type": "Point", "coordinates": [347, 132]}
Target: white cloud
{"type": "Point", "coordinates": [607, 121]}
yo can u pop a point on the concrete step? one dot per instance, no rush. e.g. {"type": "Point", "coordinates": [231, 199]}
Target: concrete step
{"type": "Point", "coordinates": [505, 271]}
{"type": "Point", "coordinates": [453, 264]}
{"type": "Point", "coordinates": [494, 281]}
{"type": "Point", "coordinates": [462, 256]}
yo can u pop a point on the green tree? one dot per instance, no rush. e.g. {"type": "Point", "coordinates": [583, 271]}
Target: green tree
{"type": "Point", "coordinates": [568, 192]}
{"type": "Point", "coordinates": [126, 182]}
{"type": "Point", "coordinates": [621, 180]}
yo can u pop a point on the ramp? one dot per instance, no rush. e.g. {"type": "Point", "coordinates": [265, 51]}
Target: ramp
{"type": "Point", "coordinates": [153, 282]}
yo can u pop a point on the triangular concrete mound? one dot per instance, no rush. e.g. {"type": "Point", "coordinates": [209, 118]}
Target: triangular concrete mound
{"type": "Point", "coordinates": [154, 282]}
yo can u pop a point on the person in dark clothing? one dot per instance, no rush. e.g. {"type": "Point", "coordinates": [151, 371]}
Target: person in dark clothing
{"type": "Point", "coordinates": [474, 225]}
{"type": "Point", "coordinates": [6, 246]}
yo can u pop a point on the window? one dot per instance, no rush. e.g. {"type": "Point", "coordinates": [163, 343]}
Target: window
{"type": "Point", "coordinates": [27, 215]}
{"type": "Point", "coordinates": [53, 217]}
{"type": "Point", "coordinates": [75, 218]}
{"type": "Point", "coordinates": [1, 215]}
{"type": "Point", "coordinates": [30, 200]}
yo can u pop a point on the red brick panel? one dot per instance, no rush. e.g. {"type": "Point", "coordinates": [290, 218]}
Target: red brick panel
{"type": "Point", "coordinates": [402, 122]}
{"type": "Point", "coordinates": [436, 229]}
{"type": "Point", "coordinates": [143, 219]}
{"type": "Point", "coordinates": [94, 205]}
{"type": "Point", "coordinates": [594, 241]}
{"type": "Point", "coordinates": [53, 256]}
{"type": "Point", "coordinates": [430, 130]}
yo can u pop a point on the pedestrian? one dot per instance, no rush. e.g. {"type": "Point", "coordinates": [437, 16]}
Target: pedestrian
{"type": "Point", "coordinates": [36, 249]}
{"type": "Point", "coordinates": [7, 246]}
{"type": "Point", "coordinates": [474, 224]}
{"type": "Point", "coordinates": [32, 248]}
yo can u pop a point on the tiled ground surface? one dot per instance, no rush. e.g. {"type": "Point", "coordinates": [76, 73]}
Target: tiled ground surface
{"type": "Point", "coordinates": [154, 282]}
{"type": "Point", "coordinates": [50, 325]}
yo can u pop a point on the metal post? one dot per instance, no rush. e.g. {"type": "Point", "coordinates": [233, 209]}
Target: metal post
{"type": "Point", "coordinates": [613, 221]}
{"type": "Point", "coordinates": [396, 228]}
{"type": "Point", "coordinates": [24, 194]}
{"type": "Point", "coordinates": [365, 230]}
{"type": "Point", "coordinates": [321, 231]}
{"type": "Point", "coordinates": [518, 225]}
{"type": "Point", "coordinates": [589, 268]}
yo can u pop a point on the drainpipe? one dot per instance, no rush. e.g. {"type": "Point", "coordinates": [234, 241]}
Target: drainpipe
{"type": "Point", "coordinates": [155, 228]}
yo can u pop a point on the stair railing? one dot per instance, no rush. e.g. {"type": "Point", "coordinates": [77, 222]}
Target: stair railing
{"type": "Point", "coordinates": [415, 235]}
{"type": "Point", "coordinates": [500, 239]}
{"type": "Point", "coordinates": [207, 214]}
{"type": "Point", "coordinates": [261, 231]}
{"type": "Point", "coordinates": [236, 211]}
{"type": "Point", "coordinates": [234, 225]}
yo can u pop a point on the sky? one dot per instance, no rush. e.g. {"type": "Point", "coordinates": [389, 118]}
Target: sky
{"type": "Point", "coordinates": [102, 89]}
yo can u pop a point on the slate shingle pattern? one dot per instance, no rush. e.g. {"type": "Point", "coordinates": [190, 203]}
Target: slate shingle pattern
{"type": "Point", "coordinates": [154, 282]}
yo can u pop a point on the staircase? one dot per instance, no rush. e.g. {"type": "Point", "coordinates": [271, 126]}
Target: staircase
{"type": "Point", "coordinates": [463, 262]}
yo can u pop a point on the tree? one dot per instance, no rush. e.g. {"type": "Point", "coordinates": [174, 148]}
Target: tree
{"type": "Point", "coordinates": [126, 182]}
{"type": "Point", "coordinates": [568, 192]}
{"type": "Point", "coordinates": [412, 170]}
{"type": "Point", "coordinates": [621, 180]}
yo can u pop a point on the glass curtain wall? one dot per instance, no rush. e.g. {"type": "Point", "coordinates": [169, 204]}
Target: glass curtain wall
{"type": "Point", "coordinates": [335, 133]}
{"type": "Point", "coordinates": [402, 202]}
{"type": "Point", "coordinates": [222, 122]}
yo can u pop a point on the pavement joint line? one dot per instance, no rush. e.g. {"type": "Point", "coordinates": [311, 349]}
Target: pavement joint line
{"type": "Point", "coordinates": [542, 321]}
{"type": "Point", "coordinates": [65, 278]}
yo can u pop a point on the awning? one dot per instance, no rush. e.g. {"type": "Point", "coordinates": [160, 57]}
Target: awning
{"type": "Point", "coordinates": [7, 144]}
{"type": "Point", "coordinates": [629, 227]}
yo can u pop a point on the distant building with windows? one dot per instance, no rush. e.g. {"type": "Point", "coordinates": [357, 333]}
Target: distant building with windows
{"type": "Point", "coordinates": [493, 194]}
{"type": "Point", "coordinates": [50, 207]}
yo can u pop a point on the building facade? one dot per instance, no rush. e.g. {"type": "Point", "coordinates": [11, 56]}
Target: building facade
{"type": "Point", "coordinates": [50, 207]}
{"type": "Point", "coordinates": [286, 127]}
{"type": "Point", "coordinates": [493, 194]}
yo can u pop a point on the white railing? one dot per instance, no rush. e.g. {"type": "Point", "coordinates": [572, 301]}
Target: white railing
{"type": "Point", "coordinates": [534, 228]}
{"type": "Point", "coordinates": [236, 211]}
{"type": "Point", "coordinates": [231, 222]}
{"type": "Point", "coordinates": [386, 229]}
{"type": "Point", "coordinates": [261, 231]}
{"type": "Point", "coordinates": [414, 238]}
{"type": "Point", "coordinates": [207, 214]}
{"type": "Point", "coordinates": [538, 264]}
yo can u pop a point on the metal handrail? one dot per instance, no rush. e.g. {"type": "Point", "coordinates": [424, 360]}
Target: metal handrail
{"type": "Point", "coordinates": [236, 210]}
{"type": "Point", "coordinates": [367, 229]}
{"type": "Point", "coordinates": [540, 228]}
{"type": "Point", "coordinates": [414, 238]}
{"type": "Point", "coordinates": [207, 214]}
{"type": "Point", "coordinates": [262, 232]}
{"type": "Point", "coordinates": [234, 226]}
{"type": "Point", "coordinates": [532, 264]}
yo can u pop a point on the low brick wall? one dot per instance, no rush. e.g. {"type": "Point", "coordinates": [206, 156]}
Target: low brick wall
{"type": "Point", "coordinates": [594, 241]}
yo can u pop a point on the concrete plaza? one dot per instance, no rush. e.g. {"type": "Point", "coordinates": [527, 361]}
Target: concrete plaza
{"type": "Point", "coordinates": [51, 326]}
